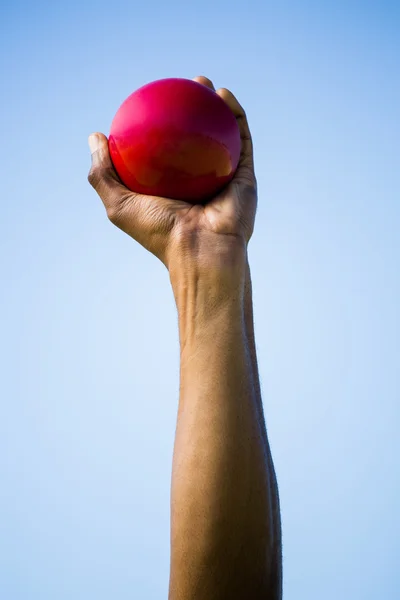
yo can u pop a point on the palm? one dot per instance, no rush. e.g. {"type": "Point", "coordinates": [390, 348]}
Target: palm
{"type": "Point", "coordinates": [231, 212]}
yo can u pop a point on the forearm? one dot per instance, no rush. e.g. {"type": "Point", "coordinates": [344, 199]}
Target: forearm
{"type": "Point", "coordinates": [276, 515]}
{"type": "Point", "coordinates": [223, 487]}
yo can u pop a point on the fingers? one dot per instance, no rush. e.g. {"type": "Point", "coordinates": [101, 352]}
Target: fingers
{"type": "Point", "coordinates": [238, 111]}
{"type": "Point", "coordinates": [205, 81]}
{"type": "Point", "coordinates": [246, 164]}
{"type": "Point", "coordinates": [102, 176]}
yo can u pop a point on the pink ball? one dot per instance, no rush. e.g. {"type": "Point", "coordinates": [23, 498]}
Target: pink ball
{"type": "Point", "coordinates": [175, 138]}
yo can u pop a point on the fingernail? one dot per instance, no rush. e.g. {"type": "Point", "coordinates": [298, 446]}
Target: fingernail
{"type": "Point", "coordinates": [93, 142]}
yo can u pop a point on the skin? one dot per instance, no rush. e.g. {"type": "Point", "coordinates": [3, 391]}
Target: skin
{"type": "Point", "coordinates": [225, 516]}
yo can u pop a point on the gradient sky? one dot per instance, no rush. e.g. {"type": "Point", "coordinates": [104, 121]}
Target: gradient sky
{"type": "Point", "coordinates": [89, 352]}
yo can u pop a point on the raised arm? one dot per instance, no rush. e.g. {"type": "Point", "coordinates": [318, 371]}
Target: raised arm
{"type": "Point", "coordinates": [225, 523]}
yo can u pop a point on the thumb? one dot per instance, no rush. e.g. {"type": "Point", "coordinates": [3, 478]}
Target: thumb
{"type": "Point", "coordinates": [148, 219]}
{"type": "Point", "coordinates": [102, 175]}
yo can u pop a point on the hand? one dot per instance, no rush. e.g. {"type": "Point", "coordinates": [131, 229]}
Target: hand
{"type": "Point", "coordinates": [170, 228]}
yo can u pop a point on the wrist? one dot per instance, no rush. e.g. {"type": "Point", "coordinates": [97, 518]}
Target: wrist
{"type": "Point", "coordinates": [211, 266]}
{"type": "Point", "coordinates": [207, 282]}
{"type": "Point", "coordinates": [209, 288]}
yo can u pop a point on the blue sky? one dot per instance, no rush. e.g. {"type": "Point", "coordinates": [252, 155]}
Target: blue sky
{"type": "Point", "coordinates": [89, 357]}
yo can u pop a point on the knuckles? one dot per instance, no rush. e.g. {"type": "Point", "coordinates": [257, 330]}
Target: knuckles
{"type": "Point", "coordinates": [94, 177]}
{"type": "Point", "coordinates": [113, 214]}
{"type": "Point", "coordinates": [99, 174]}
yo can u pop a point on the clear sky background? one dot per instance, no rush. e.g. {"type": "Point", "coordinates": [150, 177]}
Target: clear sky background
{"type": "Point", "coordinates": [89, 344]}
